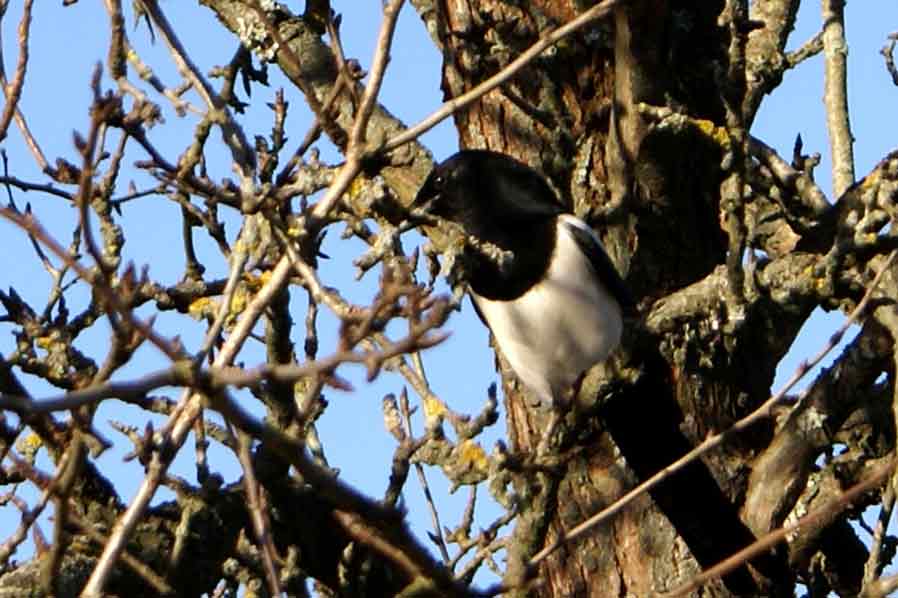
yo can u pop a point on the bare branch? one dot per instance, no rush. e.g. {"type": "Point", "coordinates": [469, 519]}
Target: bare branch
{"type": "Point", "coordinates": [437, 534]}
{"type": "Point", "coordinates": [258, 514]}
{"type": "Point", "coordinates": [175, 433]}
{"type": "Point", "coordinates": [355, 151]}
{"type": "Point", "coordinates": [378, 69]}
{"type": "Point", "coordinates": [809, 49]}
{"type": "Point", "coordinates": [873, 568]}
{"type": "Point", "coordinates": [804, 186]}
{"type": "Point", "coordinates": [882, 587]}
{"type": "Point", "coordinates": [835, 95]}
{"type": "Point", "coordinates": [13, 92]}
{"type": "Point", "coordinates": [29, 224]}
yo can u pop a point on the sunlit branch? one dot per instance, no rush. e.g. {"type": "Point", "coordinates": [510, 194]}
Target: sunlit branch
{"type": "Point", "coordinates": [835, 95]}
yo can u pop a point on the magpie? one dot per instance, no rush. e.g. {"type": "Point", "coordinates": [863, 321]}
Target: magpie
{"type": "Point", "coordinates": [557, 308]}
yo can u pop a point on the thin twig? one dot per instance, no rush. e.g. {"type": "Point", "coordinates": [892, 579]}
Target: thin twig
{"type": "Point", "coordinates": [13, 92]}
{"type": "Point", "coordinates": [238, 260]}
{"type": "Point", "coordinates": [33, 146]}
{"type": "Point", "coordinates": [437, 535]}
{"type": "Point", "coordinates": [29, 516]}
{"type": "Point", "coordinates": [259, 517]}
{"type": "Point", "coordinates": [217, 377]}
{"type": "Point", "coordinates": [810, 48]}
{"type": "Point", "coordinates": [873, 566]}
{"type": "Point", "coordinates": [378, 69]}
{"type": "Point", "coordinates": [125, 391]}
{"type": "Point", "coordinates": [45, 188]}
{"type": "Point", "coordinates": [804, 186]}
{"type": "Point", "coordinates": [121, 51]}
{"type": "Point", "coordinates": [118, 201]}
{"type": "Point", "coordinates": [85, 195]}
{"type": "Point", "coordinates": [312, 134]}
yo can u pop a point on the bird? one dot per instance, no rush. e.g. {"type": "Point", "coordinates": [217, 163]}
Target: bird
{"type": "Point", "coordinates": [556, 307]}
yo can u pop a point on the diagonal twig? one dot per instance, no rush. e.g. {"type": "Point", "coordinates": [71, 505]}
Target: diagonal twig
{"type": "Point", "coordinates": [258, 515]}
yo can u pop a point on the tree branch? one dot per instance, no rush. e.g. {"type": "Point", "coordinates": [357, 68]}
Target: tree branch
{"type": "Point", "coordinates": [835, 95]}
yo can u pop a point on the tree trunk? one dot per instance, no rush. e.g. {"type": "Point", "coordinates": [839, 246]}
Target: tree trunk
{"type": "Point", "coordinates": [654, 195]}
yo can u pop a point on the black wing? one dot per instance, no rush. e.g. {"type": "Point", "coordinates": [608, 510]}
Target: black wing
{"type": "Point", "coordinates": [478, 312]}
{"type": "Point", "coordinates": [601, 263]}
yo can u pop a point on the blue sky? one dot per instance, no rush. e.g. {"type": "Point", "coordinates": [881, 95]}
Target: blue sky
{"type": "Point", "coordinates": [66, 42]}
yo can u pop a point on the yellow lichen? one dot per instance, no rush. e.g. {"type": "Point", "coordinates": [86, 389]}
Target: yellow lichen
{"type": "Point", "coordinates": [471, 453]}
{"type": "Point", "coordinates": [256, 281]}
{"type": "Point", "coordinates": [202, 307]}
{"type": "Point", "coordinates": [252, 281]}
{"type": "Point", "coordinates": [719, 134]}
{"type": "Point", "coordinates": [356, 187]}
{"type": "Point", "coordinates": [869, 181]}
{"type": "Point", "coordinates": [433, 407]}
{"type": "Point", "coordinates": [241, 298]}
{"type": "Point", "coordinates": [30, 442]}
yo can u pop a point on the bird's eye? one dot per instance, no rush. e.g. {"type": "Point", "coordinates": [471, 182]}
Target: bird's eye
{"type": "Point", "coordinates": [439, 181]}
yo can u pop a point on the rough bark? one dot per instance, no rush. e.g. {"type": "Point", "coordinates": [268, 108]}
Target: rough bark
{"type": "Point", "coordinates": [639, 122]}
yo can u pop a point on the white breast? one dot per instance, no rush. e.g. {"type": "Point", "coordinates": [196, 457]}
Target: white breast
{"type": "Point", "coordinates": [560, 327]}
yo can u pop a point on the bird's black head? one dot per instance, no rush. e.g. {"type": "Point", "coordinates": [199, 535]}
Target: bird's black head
{"type": "Point", "coordinates": [479, 188]}
{"type": "Point", "coordinates": [451, 188]}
